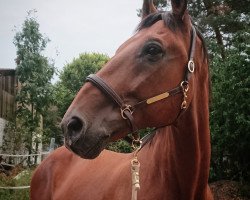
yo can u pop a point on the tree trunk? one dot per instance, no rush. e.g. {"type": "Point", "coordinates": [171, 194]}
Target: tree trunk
{"type": "Point", "coordinates": [210, 11]}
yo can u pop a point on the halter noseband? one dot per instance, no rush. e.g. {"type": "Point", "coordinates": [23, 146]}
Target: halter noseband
{"type": "Point", "coordinates": [127, 110]}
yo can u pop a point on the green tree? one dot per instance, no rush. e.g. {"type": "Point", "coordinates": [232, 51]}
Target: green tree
{"type": "Point", "coordinates": [230, 120]}
{"type": "Point", "coordinates": [73, 77]}
{"type": "Point", "coordinates": [225, 25]}
{"type": "Point", "coordinates": [34, 72]}
{"type": "Point", "coordinates": [220, 21]}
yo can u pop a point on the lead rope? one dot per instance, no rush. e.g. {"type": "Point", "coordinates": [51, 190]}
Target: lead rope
{"type": "Point", "coordinates": [135, 168]}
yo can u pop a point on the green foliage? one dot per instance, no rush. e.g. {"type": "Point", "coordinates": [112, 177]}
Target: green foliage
{"type": "Point", "coordinates": [51, 127]}
{"type": "Point", "coordinates": [230, 120]}
{"type": "Point", "coordinates": [73, 77]}
{"type": "Point", "coordinates": [123, 146]}
{"type": "Point", "coordinates": [120, 146]}
{"type": "Point", "coordinates": [12, 139]}
{"type": "Point", "coordinates": [34, 72]}
{"type": "Point", "coordinates": [15, 180]}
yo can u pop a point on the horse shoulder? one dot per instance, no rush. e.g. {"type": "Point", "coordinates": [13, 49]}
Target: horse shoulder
{"type": "Point", "coordinates": [45, 177]}
{"type": "Point", "coordinates": [63, 174]}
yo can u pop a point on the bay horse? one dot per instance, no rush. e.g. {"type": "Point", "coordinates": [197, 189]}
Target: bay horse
{"type": "Point", "coordinates": [157, 78]}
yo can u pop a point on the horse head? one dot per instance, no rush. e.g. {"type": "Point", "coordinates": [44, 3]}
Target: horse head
{"type": "Point", "coordinates": [149, 76]}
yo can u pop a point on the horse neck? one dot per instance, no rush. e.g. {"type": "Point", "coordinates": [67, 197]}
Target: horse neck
{"type": "Point", "coordinates": [180, 153]}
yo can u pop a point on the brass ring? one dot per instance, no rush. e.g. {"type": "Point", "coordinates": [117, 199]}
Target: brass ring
{"type": "Point", "coordinates": [184, 105]}
{"type": "Point", "coordinates": [191, 66]}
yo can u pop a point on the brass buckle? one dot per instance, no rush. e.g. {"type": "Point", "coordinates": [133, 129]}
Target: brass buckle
{"type": "Point", "coordinates": [136, 144]}
{"type": "Point", "coordinates": [185, 88]}
{"type": "Point", "coordinates": [128, 108]}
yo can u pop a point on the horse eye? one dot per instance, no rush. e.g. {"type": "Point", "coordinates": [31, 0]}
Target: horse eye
{"type": "Point", "coordinates": [152, 51]}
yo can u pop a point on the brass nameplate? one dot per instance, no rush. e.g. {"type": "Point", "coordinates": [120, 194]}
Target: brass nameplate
{"type": "Point", "coordinates": [158, 98]}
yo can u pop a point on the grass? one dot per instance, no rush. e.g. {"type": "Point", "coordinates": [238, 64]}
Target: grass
{"type": "Point", "coordinates": [16, 177]}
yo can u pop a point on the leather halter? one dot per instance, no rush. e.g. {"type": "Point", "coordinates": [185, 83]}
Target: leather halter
{"type": "Point", "coordinates": [127, 110]}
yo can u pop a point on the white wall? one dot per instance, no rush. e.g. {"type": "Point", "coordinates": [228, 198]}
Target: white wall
{"type": "Point", "coordinates": [2, 125]}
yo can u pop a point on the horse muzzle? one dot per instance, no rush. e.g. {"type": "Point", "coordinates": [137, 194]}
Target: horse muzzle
{"type": "Point", "coordinates": [82, 140]}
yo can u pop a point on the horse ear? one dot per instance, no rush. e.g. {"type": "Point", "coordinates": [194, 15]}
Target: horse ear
{"type": "Point", "coordinates": [179, 7]}
{"type": "Point", "coordinates": [148, 8]}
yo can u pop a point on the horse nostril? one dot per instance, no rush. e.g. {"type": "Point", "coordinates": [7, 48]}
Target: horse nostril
{"type": "Point", "coordinates": [74, 126]}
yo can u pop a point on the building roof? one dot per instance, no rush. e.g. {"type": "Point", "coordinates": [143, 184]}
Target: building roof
{"type": "Point", "coordinates": [7, 72]}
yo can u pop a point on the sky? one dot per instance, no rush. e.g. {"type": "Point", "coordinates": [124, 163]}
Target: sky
{"type": "Point", "coordinates": [73, 26]}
